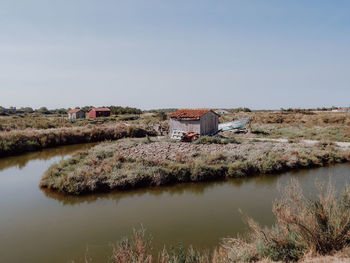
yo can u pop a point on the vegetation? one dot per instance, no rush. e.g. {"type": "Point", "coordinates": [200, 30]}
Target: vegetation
{"type": "Point", "coordinates": [103, 168]}
{"type": "Point", "coordinates": [305, 230]}
{"type": "Point", "coordinates": [240, 110]}
{"type": "Point", "coordinates": [294, 126]}
{"type": "Point", "coordinates": [215, 140]}
{"type": "Point", "coordinates": [116, 110]}
{"type": "Point", "coordinates": [319, 226]}
{"type": "Point", "coordinates": [30, 140]}
{"type": "Point", "coordinates": [325, 126]}
{"type": "Point", "coordinates": [39, 121]}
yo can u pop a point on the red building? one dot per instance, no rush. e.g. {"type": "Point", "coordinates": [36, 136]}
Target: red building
{"type": "Point", "coordinates": [99, 112]}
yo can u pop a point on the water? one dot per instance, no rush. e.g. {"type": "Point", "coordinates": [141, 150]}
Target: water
{"type": "Point", "coordinates": [43, 226]}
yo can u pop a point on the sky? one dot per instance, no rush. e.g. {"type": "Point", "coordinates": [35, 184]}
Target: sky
{"type": "Point", "coordinates": [175, 54]}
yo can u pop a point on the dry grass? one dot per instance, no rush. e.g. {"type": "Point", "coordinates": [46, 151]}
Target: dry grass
{"type": "Point", "coordinates": [41, 121]}
{"type": "Point", "coordinates": [304, 227]}
{"type": "Point", "coordinates": [16, 142]}
{"type": "Point", "coordinates": [326, 126]}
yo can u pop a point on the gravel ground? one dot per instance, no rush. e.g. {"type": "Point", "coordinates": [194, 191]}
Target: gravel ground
{"type": "Point", "coordinates": [172, 151]}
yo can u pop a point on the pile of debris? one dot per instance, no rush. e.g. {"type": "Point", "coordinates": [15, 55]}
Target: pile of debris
{"type": "Point", "coordinates": [184, 136]}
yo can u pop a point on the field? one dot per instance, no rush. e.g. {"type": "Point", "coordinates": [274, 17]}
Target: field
{"type": "Point", "coordinates": [41, 121]}
{"type": "Point", "coordinates": [32, 132]}
{"type": "Point", "coordinates": [18, 133]}
{"type": "Point", "coordinates": [323, 126]}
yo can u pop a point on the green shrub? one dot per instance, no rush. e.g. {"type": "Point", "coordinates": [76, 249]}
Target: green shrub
{"type": "Point", "coordinates": [321, 225]}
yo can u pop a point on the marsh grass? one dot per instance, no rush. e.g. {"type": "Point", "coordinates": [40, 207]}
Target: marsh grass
{"type": "Point", "coordinates": [103, 168]}
{"type": "Point", "coordinates": [319, 226]}
{"type": "Point", "coordinates": [16, 142]}
{"type": "Point", "coordinates": [139, 249]}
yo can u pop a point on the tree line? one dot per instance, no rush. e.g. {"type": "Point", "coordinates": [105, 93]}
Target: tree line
{"type": "Point", "coordinates": [115, 110]}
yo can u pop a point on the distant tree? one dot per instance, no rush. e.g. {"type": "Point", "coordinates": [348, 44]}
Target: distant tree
{"type": "Point", "coordinates": [162, 115]}
{"type": "Point", "coordinates": [43, 110]}
{"type": "Point", "coordinates": [87, 108]}
{"type": "Point", "coordinates": [60, 111]}
{"type": "Point", "coordinates": [26, 110]}
{"type": "Point", "coordinates": [118, 110]}
{"type": "Point", "coordinates": [240, 109]}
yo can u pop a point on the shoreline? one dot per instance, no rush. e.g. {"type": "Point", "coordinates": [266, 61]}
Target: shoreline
{"type": "Point", "coordinates": [106, 168]}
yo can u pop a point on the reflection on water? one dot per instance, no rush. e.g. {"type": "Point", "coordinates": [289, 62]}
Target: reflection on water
{"type": "Point", "coordinates": [44, 226]}
{"type": "Point", "coordinates": [198, 189]}
{"type": "Point", "coordinates": [22, 160]}
{"type": "Point", "coordinates": [186, 188]}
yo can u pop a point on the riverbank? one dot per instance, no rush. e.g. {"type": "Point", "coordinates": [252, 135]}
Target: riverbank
{"type": "Point", "coordinates": [20, 141]}
{"type": "Point", "coordinates": [306, 230]}
{"type": "Point", "coordinates": [134, 163]}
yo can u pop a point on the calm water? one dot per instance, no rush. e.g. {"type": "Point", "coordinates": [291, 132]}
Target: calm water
{"type": "Point", "coordinates": [40, 226]}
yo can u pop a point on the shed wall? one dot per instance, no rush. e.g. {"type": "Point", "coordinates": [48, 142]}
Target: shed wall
{"type": "Point", "coordinates": [92, 114]}
{"type": "Point", "coordinates": [184, 125]}
{"type": "Point", "coordinates": [80, 115]}
{"type": "Point", "coordinates": [209, 124]}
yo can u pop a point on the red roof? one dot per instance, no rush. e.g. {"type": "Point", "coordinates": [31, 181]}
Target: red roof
{"type": "Point", "coordinates": [101, 109]}
{"type": "Point", "coordinates": [74, 111]}
{"type": "Point", "coordinates": [189, 113]}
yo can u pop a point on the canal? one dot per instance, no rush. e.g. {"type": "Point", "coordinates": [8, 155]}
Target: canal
{"type": "Point", "coordinates": [43, 226]}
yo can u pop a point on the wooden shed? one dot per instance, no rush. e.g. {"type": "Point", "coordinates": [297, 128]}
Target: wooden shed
{"type": "Point", "coordinates": [76, 114]}
{"type": "Point", "coordinates": [99, 112]}
{"type": "Point", "coordinates": [201, 121]}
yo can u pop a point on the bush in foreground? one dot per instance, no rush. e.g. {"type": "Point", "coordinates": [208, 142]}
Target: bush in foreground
{"type": "Point", "coordinates": [303, 226]}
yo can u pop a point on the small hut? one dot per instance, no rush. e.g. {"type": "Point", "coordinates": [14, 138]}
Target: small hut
{"type": "Point", "coordinates": [201, 121]}
{"type": "Point", "coordinates": [99, 112]}
{"type": "Point", "coordinates": [76, 114]}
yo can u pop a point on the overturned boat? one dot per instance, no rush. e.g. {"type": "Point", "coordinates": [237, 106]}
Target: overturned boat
{"type": "Point", "coordinates": [240, 124]}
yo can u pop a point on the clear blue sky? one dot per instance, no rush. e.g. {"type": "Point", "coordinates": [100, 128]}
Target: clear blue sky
{"type": "Point", "coordinates": [180, 53]}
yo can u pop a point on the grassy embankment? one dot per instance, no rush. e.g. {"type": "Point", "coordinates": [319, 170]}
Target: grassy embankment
{"type": "Point", "coordinates": [305, 230]}
{"type": "Point", "coordinates": [30, 132]}
{"type": "Point", "coordinates": [104, 168]}
{"type": "Point", "coordinates": [16, 142]}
